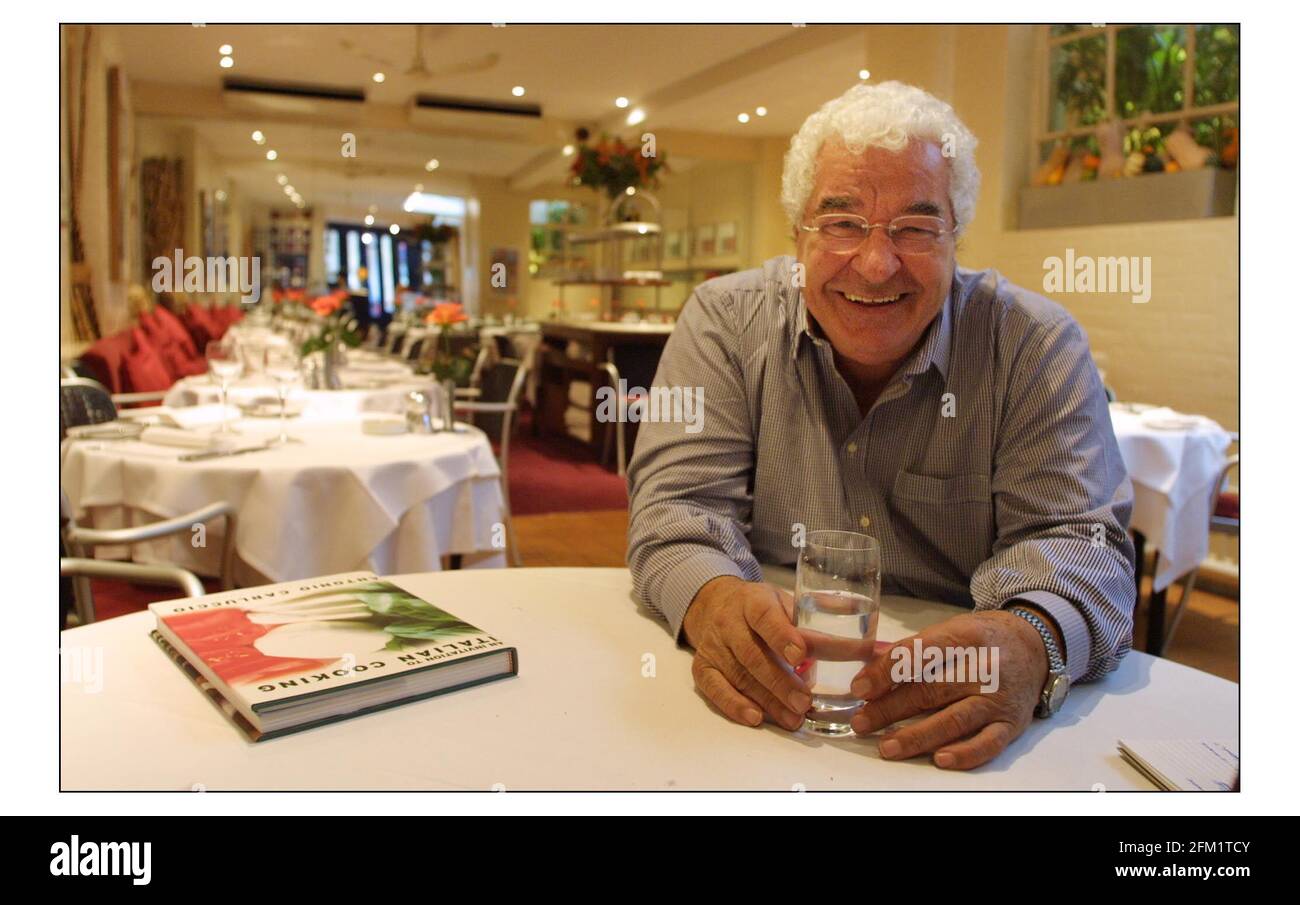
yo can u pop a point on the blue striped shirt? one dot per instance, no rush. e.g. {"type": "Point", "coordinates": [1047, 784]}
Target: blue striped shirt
{"type": "Point", "coordinates": [987, 469]}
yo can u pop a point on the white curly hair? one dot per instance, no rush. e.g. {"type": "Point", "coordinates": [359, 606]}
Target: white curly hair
{"type": "Point", "coordinates": [882, 116]}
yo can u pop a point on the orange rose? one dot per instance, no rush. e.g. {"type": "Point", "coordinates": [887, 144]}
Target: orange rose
{"type": "Point", "coordinates": [326, 305]}
{"type": "Point", "coordinates": [445, 314]}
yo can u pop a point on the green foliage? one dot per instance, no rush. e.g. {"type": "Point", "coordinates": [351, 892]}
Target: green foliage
{"type": "Point", "coordinates": [411, 618]}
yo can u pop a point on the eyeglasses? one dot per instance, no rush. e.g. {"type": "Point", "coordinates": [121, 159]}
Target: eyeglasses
{"type": "Point", "coordinates": [910, 235]}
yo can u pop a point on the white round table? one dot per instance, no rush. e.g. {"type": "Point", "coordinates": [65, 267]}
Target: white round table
{"type": "Point", "coordinates": [1173, 460]}
{"type": "Point", "coordinates": [603, 700]}
{"type": "Point", "coordinates": [340, 500]}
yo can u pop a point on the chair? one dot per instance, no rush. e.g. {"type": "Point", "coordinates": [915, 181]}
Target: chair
{"type": "Point", "coordinates": [494, 411]}
{"type": "Point", "coordinates": [79, 570]}
{"type": "Point", "coordinates": [1221, 522]}
{"type": "Point", "coordinates": [80, 542]}
{"type": "Point", "coordinates": [637, 365]}
{"type": "Point", "coordinates": [83, 401]}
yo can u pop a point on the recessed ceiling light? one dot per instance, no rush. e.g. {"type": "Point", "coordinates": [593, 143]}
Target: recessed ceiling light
{"type": "Point", "coordinates": [225, 50]}
{"type": "Point", "coordinates": [761, 111]}
{"type": "Point", "coordinates": [621, 102]}
{"type": "Point", "coordinates": [227, 62]}
{"type": "Point", "coordinates": [636, 116]}
{"type": "Point", "coordinates": [374, 209]}
{"type": "Point", "coordinates": [367, 238]}
{"type": "Point", "coordinates": [221, 195]}
{"type": "Point", "coordinates": [394, 229]}
{"type": "Point", "coordinates": [258, 136]}
{"type": "Point", "coordinates": [370, 220]}
{"type": "Point", "coordinates": [864, 74]}
{"type": "Point", "coordinates": [282, 179]}
{"type": "Point", "coordinates": [432, 164]}
{"type": "Point", "coordinates": [631, 190]}
{"type": "Point", "coordinates": [378, 76]}
{"type": "Point", "coordinates": [744, 117]}
{"type": "Point", "coordinates": [271, 155]}
{"type": "Point", "coordinates": [517, 91]}
{"type": "Point", "coordinates": [289, 190]}
{"type": "Point", "coordinates": [568, 150]}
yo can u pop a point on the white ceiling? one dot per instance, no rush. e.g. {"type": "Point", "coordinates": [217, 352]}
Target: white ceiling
{"type": "Point", "coordinates": [573, 72]}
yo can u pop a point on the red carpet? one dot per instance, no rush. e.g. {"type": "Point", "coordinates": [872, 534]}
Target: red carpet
{"type": "Point", "coordinates": [556, 474]}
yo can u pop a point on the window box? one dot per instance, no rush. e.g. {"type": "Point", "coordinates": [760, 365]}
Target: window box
{"type": "Point", "coordinates": [1211, 192]}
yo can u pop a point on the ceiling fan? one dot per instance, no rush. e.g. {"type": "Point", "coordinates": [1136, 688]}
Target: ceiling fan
{"type": "Point", "coordinates": [419, 69]}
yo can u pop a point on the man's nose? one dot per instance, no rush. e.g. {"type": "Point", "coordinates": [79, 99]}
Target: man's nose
{"type": "Point", "coordinates": [876, 261]}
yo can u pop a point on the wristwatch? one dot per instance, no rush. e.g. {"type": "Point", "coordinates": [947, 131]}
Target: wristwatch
{"type": "Point", "coordinates": [1058, 681]}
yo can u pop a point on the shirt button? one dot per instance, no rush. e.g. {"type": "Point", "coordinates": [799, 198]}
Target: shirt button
{"type": "Point", "coordinates": [852, 447]}
{"type": "Point", "coordinates": [864, 522]}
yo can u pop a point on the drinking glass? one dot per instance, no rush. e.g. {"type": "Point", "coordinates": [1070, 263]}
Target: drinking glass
{"type": "Point", "coordinates": [837, 607]}
{"type": "Point", "coordinates": [225, 366]}
{"type": "Point", "coordinates": [282, 366]}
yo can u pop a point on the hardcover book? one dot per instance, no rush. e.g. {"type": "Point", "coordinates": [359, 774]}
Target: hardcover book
{"type": "Point", "coordinates": [280, 658]}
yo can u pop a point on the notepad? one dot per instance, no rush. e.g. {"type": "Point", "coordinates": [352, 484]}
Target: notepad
{"type": "Point", "coordinates": [1184, 765]}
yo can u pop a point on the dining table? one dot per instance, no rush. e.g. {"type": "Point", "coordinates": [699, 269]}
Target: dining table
{"type": "Point", "coordinates": [370, 383]}
{"type": "Point", "coordinates": [335, 498]}
{"type": "Point", "coordinates": [604, 700]}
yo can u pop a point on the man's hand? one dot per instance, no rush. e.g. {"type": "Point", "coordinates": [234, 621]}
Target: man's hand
{"type": "Point", "coordinates": [744, 636]}
{"type": "Point", "coordinates": [969, 727]}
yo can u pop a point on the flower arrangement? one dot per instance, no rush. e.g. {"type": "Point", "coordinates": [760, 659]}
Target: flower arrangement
{"type": "Point", "coordinates": [334, 329]}
{"type": "Point", "coordinates": [614, 166]}
{"type": "Point", "coordinates": [445, 364]}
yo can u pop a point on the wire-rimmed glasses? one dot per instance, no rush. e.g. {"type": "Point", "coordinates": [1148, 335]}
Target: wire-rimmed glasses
{"type": "Point", "coordinates": [910, 234]}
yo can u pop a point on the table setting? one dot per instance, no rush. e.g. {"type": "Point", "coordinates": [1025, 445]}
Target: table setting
{"type": "Point", "coordinates": [322, 480]}
{"type": "Point", "coordinates": [1174, 460]}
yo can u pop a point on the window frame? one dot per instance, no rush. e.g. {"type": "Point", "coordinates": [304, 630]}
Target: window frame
{"type": "Point", "coordinates": [1041, 133]}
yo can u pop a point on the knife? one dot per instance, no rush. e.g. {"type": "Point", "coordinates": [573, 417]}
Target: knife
{"type": "Point", "coordinates": [220, 453]}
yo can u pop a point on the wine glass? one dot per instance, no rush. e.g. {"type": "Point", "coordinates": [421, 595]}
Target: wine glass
{"type": "Point", "coordinates": [225, 365]}
{"type": "Point", "coordinates": [282, 366]}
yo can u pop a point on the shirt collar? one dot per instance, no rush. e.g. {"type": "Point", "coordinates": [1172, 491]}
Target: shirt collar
{"type": "Point", "coordinates": [934, 351]}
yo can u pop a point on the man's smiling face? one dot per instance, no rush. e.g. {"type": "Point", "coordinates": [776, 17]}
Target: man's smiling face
{"type": "Point", "coordinates": [875, 304]}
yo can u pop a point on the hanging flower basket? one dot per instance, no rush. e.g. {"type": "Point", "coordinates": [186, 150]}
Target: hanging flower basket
{"type": "Point", "coordinates": [613, 166]}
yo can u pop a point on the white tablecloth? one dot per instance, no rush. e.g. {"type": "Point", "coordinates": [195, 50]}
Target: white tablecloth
{"type": "Point", "coordinates": [603, 700]}
{"type": "Point", "coordinates": [365, 390]}
{"type": "Point", "coordinates": [341, 500]}
{"type": "Point", "coordinates": [1174, 461]}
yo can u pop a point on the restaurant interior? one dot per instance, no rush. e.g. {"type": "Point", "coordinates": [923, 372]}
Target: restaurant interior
{"type": "Point", "coordinates": [369, 284]}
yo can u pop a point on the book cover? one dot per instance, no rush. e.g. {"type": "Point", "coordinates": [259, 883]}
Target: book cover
{"type": "Point", "coordinates": [270, 649]}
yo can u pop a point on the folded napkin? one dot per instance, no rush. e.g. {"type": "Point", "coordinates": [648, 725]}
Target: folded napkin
{"type": "Point", "coordinates": [183, 439]}
{"type": "Point", "coordinates": [186, 416]}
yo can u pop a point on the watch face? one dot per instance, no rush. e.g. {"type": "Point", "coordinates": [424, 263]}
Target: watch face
{"type": "Point", "coordinates": [1057, 689]}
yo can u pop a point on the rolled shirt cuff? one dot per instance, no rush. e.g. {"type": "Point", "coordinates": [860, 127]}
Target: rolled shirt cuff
{"type": "Point", "coordinates": [1069, 623]}
{"type": "Point", "coordinates": [685, 581]}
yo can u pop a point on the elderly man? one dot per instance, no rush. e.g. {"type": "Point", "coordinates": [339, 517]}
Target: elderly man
{"type": "Point", "coordinates": [870, 384]}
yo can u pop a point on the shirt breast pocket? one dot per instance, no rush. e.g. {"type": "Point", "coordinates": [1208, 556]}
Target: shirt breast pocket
{"type": "Point", "coordinates": [945, 519]}
{"type": "Point", "coordinates": [962, 488]}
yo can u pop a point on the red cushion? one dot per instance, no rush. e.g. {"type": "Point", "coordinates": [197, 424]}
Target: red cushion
{"type": "Point", "coordinates": [105, 359]}
{"type": "Point", "coordinates": [172, 326]}
{"type": "Point", "coordinates": [145, 370]}
{"type": "Point", "coordinates": [200, 325]}
{"type": "Point", "coordinates": [1228, 505]}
